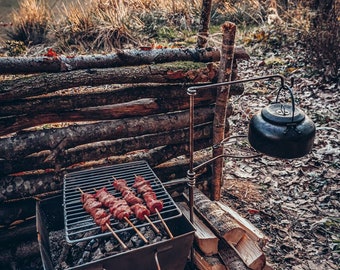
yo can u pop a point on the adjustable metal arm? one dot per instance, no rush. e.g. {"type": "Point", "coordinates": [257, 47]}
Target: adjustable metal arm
{"type": "Point", "coordinates": [192, 91]}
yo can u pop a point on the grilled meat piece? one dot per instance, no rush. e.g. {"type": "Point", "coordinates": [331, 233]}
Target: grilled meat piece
{"type": "Point", "coordinates": [144, 188]}
{"type": "Point", "coordinates": [140, 211]}
{"type": "Point", "coordinates": [94, 208]}
{"type": "Point", "coordinates": [128, 194]}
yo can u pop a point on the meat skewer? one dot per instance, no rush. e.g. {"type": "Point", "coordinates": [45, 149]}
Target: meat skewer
{"type": "Point", "coordinates": [118, 208]}
{"type": "Point", "coordinates": [140, 210]}
{"type": "Point", "coordinates": [93, 207]}
{"type": "Point", "coordinates": [144, 188]}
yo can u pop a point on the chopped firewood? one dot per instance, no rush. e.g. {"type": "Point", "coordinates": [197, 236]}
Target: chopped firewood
{"type": "Point", "coordinates": [250, 253]}
{"type": "Point", "coordinates": [230, 258]}
{"type": "Point", "coordinates": [227, 228]}
{"type": "Point", "coordinates": [212, 262]}
{"type": "Point", "coordinates": [205, 239]}
{"type": "Point", "coordinates": [223, 224]}
{"type": "Point", "coordinates": [253, 232]}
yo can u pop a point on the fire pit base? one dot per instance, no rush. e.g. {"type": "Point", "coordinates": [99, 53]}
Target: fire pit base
{"type": "Point", "coordinates": [170, 254]}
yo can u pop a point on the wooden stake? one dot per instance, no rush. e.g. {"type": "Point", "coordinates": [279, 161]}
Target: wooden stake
{"type": "Point", "coordinates": [116, 236]}
{"type": "Point", "coordinates": [136, 229]}
{"type": "Point", "coordinates": [166, 226]}
{"type": "Point", "coordinates": [151, 223]}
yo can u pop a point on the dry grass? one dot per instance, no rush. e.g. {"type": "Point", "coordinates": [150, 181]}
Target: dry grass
{"type": "Point", "coordinates": [106, 24]}
{"type": "Point", "coordinates": [30, 22]}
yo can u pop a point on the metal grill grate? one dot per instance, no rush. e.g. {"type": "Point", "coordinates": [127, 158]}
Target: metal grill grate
{"type": "Point", "coordinates": [79, 225]}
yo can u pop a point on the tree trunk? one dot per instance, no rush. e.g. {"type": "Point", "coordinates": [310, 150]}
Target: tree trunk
{"type": "Point", "coordinates": [203, 32]}
{"type": "Point", "coordinates": [163, 73]}
{"type": "Point", "coordinates": [30, 65]}
{"type": "Point", "coordinates": [46, 182]}
{"type": "Point", "coordinates": [14, 148]}
{"type": "Point", "coordinates": [225, 72]}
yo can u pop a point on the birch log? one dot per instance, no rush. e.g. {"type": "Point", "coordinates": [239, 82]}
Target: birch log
{"type": "Point", "coordinates": [225, 73]}
{"type": "Point", "coordinates": [30, 65]}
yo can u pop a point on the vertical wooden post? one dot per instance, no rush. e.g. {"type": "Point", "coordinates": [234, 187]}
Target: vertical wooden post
{"type": "Point", "coordinates": [225, 73]}
{"type": "Point", "coordinates": [205, 21]}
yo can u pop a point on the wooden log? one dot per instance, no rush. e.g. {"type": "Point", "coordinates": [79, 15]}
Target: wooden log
{"type": "Point", "coordinates": [250, 253]}
{"type": "Point", "coordinates": [15, 256]}
{"type": "Point", "coordinates": [184, 72]}
{"type": "Point", "coordinates": [43, 182]}
{"type": "Point", "coordinates": [230, 257]}
{"type": "Point", "coordinates": [228, 229]}
{"type": "Point", "coordinates": [203, 262]}
{"type": "Point", "coordinates": [25, 65]}
{"type": "Point", "coordinates": [24, 144]}
{"type": "Point", "coordinates": [205, 239]}
{"type": "Point", "coordinates": [222, 224]}
{"type": "Point", "coordinates": [170, 95]}
{"type": "Point", "coordinates": [225, 73]}
{"type": "Point", "coordinates": [101, 149]}
{"type": "Point", "coordinates": [254, 233]}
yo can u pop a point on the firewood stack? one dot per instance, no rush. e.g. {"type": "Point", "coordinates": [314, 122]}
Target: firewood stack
{"type": "Point", "coordinates": [223, 239]}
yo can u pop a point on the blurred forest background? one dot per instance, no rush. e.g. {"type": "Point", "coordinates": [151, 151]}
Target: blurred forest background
{"type": "Point", "coordinates": [104, 25]}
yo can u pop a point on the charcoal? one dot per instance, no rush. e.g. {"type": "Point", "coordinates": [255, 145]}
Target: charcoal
{"type": "Point", "coordinates": [92, 245]}
{"type": "Point", "coordinates": [125, 236]}
{"type": "Point", "coordinates": [97, 254]}
{"type": "Point", "coordinates": [158, 238]}
{"type": "Point", "coordinates": [149, 234]}
{"type": "Point", "coordinates": [108, 246]}
{"type": "Point", "coordinates": [137, 242]}
{"type": "Point", "coordinates": [129, 244]}
{"type": "Point", "coordinates": [76, 251]}
{"type": "Point", "coordinates": [86, 256]}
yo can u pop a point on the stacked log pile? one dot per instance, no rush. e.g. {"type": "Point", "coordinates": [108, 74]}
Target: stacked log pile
{"type": "Point", "coordinates": [67, 114]}
{"type": "Point", "coordinates": [88, 111]}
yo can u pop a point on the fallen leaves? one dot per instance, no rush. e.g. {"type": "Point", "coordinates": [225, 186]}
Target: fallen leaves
{"type": "Point", "coordinates": [297, 204]}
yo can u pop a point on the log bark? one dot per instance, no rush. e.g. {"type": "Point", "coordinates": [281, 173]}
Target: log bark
{"type": "Point", "coordinates": [205, 239]}
{"type": "Point", "coordinates": [44, 182]}
{"type": "Point", "coordinates": [225, 73]}
{"type": "Point", "coordinates": [101, 149]}
{"type": "Point", "coordinates": [24, 144]}
{"type": "Point", "coordinates": [185, 72]}
{"type": "Point", "coordinates": [255, 234]}
{"type": "Point", "coordinates": [224, 225]}
{"type": "Point", "coordinates": [203, 262]}
{"type": "Point", "coordinates": [30, 65]}
{"type": "Point", "coordinates": [169, 95]}
{"type": "Point", "coordinates": [203, 32]}
{"type": "Point", "coordinates": [231, 258]}
{"type": "Point", "coordinates": [38, 111]}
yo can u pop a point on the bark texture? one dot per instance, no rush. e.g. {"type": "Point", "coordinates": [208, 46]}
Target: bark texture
{"type": "Point", "coordinates": [225, 73]}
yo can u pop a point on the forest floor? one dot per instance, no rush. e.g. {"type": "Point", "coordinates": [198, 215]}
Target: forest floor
{"type": "Point", "coordinates": [294, 202]}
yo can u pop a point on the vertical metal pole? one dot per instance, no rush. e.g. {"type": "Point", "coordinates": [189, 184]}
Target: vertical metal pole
{"type": "Point", "coordinates": [191, 174]}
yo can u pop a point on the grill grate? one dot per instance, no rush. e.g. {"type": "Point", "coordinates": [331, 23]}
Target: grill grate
{"type": "Point", "coordinates": [79, 224]}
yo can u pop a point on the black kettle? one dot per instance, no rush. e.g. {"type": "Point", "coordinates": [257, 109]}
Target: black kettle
{"type": "Point", "coordinates": [282, 130]}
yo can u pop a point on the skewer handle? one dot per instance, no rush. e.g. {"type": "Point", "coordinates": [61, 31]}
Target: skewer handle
{"type": "Point", "coordinates": [151, 223]}
{"type": "Point", "coordinates": [136, 229]}
{"type": "Point", "coordinates": [116, 236]}
{"type": "Point", "coordinates": [165, 226]}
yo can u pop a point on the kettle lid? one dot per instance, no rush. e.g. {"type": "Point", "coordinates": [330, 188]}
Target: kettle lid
{"type": "Point", "coordinates": [282, 114]}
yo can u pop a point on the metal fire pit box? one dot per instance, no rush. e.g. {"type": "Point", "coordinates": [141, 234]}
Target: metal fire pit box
{"type": "Point", "coordinates": [171, 254]}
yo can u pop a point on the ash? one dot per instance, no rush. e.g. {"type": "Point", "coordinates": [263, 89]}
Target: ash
{"type": "Point", "coordinates": [65, 255]}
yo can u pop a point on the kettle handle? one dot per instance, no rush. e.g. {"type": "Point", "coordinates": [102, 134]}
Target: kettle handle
{"type": "Point", "coordinates": [286, 87]}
